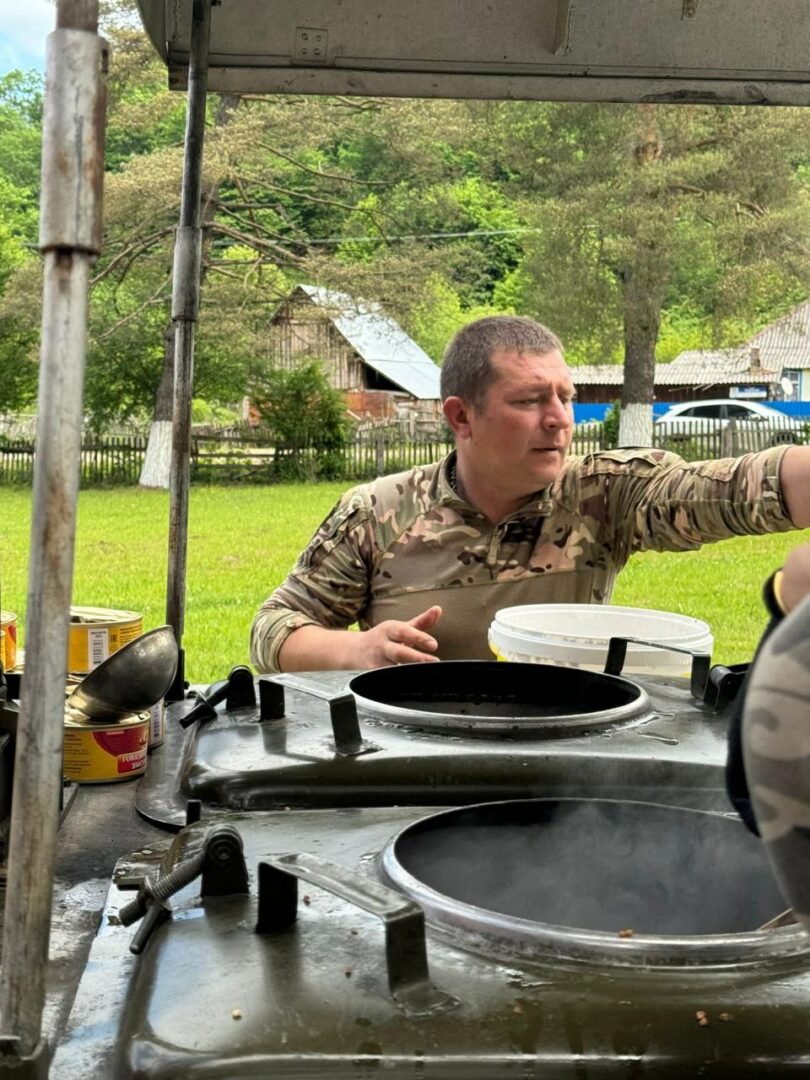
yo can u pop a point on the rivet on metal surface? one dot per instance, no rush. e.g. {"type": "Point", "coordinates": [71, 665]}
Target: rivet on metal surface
{"type": "Point", "coordinates": [311, 45]}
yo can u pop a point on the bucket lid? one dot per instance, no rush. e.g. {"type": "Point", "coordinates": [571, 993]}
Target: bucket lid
{"type": "Point", "coordinates": [597, 623]}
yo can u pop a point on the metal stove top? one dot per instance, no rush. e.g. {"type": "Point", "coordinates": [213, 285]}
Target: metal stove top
{"type": "Point", "coordinates": [210, 997]}
{"type": "Point", "coordinates": [299, 744]}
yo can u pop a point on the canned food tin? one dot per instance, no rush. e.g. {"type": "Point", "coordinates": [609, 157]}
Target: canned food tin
{"type": "Point", "coordinates": [99, 753]}
{"type": "Point", "coordinates": [8, 640]}
{"type": "Point", "coordinates": [96, 633]}
{"type": "Point", "coordinates": [157, 724]}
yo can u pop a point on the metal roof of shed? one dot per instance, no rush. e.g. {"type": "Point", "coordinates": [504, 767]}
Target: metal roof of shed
{"type": "Point", "coordinates": [379, 341]}
{"type": "Point", "coordinates": [705, 367]}
{"type": "Point", "coordinates": [693, 367]}
{"type": "Point", "coordinates": [786, 341]}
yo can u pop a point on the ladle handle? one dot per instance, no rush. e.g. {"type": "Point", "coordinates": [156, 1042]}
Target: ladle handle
{"type": "Point", "coordinates": [403, 920]}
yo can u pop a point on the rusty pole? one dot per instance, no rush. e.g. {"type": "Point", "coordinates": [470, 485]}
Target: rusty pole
{"type": "Point", "coordinates": [185, 307]}
{"type": "Point", "coordinates": [70, 240]}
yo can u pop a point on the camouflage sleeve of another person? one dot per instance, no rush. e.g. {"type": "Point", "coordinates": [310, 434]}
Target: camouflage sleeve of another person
{"type": "Point", "coordinates": [328, 586]}
{"type": "Point", "coordinates": [654, 500]}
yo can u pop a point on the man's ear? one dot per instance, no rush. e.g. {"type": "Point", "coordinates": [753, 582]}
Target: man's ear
{"type": "Point", "coordinates": [457, 414]}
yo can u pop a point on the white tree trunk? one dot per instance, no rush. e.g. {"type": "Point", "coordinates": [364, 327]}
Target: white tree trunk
{"type": "Point", "coordinates": [157, 463]}
{"type": "Point", "coordinates": [636, 425]}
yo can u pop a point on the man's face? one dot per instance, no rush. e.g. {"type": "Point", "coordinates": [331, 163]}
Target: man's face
{"type": "Point", "coordinates": [520, 434]}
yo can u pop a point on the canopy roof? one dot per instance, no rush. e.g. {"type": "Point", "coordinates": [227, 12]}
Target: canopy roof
{"type": "Point", "coordinates": [681, 51]}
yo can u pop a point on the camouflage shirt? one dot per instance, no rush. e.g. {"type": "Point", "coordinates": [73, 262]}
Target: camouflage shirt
{"type": "Point", "coordinates": [392, 548]}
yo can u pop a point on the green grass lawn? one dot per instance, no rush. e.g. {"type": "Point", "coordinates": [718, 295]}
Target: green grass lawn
{"type": "Point", "coordinates": [242, 542]}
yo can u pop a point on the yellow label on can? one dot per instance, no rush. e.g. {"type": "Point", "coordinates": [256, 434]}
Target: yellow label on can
{"type": "Point", "coordinates": [99, 753]}
{"type": "Point", "coordinates": [97, 633]}
{"type": "Point", "coordinates": [8, 640]}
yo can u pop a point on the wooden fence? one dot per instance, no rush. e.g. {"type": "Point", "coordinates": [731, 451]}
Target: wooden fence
{"type": "Point", "coordinates": [246, 457]}
{"type": "Point", "coordinates": [107, 459]}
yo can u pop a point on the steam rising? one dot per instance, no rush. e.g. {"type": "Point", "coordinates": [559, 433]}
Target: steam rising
{"type": "Point", "coordinates": [598, 865]}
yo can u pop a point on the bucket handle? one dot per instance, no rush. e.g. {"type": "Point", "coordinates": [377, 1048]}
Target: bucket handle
{"type": "Point", "coordinates": [403, 922]}
{"type": "Point", "coordinates": [701, 661]}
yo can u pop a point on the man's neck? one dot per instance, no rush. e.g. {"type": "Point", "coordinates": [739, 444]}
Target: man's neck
{"type": "Point", "coordinates": [493, 504]}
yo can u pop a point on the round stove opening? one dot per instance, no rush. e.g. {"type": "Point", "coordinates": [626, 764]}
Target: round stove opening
{"type": "Point", "coordinates": [479, 697]}
{"type": "Point", "coordinates": [590, 878]}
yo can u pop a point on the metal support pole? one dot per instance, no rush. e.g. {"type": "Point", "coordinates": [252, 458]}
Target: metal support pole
{"type": "Point", "coordinates": [70, 239]}
{"type": "Point", "coordinates": [185, 306]}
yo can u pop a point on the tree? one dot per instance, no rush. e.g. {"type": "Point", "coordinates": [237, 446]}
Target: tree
{"type": "Point", "coordinates": [301, 410]}
{"type": "Point", "coordinates": [622, 198]}
{"type": "Point", "coordinates": [280, 175]}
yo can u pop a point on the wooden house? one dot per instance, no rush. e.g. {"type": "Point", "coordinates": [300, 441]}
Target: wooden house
{"type": "Point", "coordinates": [691, 376]}
{"type": "Point", "coordinates": [385, 376]}
{"type": "Point", "coordinates": [759, 368]}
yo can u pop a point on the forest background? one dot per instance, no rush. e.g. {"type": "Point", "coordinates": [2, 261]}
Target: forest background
{"type": "Point", "coordinates": [634, 231]}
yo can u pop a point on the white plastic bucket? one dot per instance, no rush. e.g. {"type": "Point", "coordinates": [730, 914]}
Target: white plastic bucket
{"type": "Point", "coordinates": [577, 635]}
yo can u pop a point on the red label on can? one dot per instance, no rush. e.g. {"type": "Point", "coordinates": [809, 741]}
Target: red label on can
{"type": "Point", "coordinates": [127, 746]}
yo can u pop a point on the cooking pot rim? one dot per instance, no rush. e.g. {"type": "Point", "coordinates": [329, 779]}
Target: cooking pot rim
{"type": "Point", "coordinates": [379, 707]}
{"type": "Point", "coordinates": [482, 929]}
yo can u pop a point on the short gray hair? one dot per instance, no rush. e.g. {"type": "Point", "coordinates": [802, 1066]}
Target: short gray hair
{"type": "Point", "coordinates": [467, 368]}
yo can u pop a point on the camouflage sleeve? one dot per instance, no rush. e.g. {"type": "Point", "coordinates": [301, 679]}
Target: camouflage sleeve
{"type": "Point", "coordinates": [328, 586]}
{"type": "Point", "coordinates": [654, 500]}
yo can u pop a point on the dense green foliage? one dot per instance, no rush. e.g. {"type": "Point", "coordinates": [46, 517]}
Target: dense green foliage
{"type": "Point", "coordinates": [121, 562]}
{"type": "Point", "coordinates": [634, 231]}
{"type": "Point", "coordinates": [299, 409]}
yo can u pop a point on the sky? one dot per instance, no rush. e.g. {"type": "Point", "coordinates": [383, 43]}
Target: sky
{"type": "Point", "coordinates": [24, 26]}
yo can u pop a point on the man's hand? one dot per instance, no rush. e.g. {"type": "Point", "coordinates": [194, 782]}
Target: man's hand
{"type": "Point", "coordinates": [393, 642]}
{"type": "Point", "coordinates": [314, 648]}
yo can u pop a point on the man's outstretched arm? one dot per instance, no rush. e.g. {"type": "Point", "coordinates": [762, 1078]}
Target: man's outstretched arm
{"type": "Point", "coordinates": [314, 648]}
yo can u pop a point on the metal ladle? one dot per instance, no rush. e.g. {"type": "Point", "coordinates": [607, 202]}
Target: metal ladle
{"type": "Point", "coordinates": [131, 680]}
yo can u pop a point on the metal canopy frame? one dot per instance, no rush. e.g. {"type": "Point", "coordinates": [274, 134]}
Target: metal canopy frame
{"type": "Point", "coordinates": [708, 51]}
{"type": "Point", "coordinates": [698, 51]}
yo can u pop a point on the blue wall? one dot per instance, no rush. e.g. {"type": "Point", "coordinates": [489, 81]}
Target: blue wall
{"type": "Point", "coordinates": [792, 408]}
{"type": "Point", "coordinates": [583, 413]}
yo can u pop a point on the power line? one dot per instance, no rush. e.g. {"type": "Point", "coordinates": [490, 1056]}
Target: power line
{"type": "Point", "coordinates": [379, 237]}
{"type": "Point", "coordinates": [424, 236]}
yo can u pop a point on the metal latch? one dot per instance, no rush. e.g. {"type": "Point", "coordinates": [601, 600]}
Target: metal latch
{"type": "Point", "coordinates": [221, 862]}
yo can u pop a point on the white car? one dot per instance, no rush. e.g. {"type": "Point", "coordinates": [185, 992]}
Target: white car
{"type": "Point", "coordinates": [755, 425]}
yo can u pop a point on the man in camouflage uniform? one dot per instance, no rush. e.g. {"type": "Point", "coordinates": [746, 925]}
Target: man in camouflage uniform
{"type": "Point", "coordinates": [776, 734]}
{"type": "Point", "coordinates": [423, 559]}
